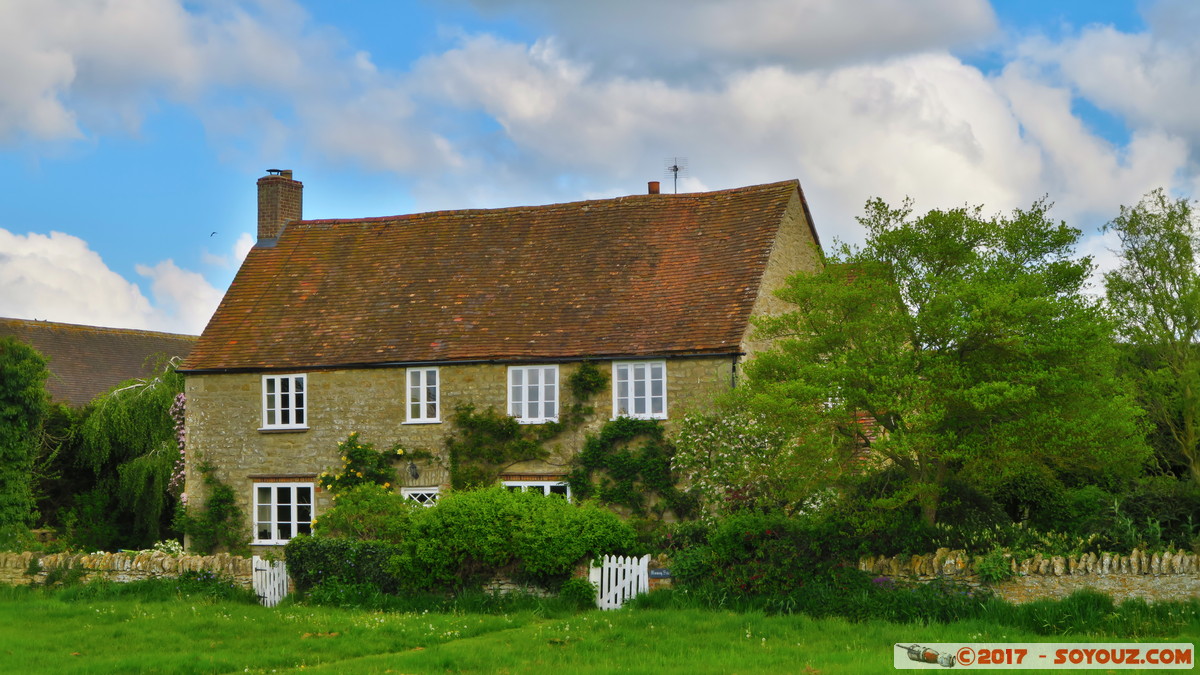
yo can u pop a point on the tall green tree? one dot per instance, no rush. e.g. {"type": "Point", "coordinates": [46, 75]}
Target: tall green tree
{"type": "Point", "coordinates": [969, 342]}
{"type": "Point", "coordinates": [1155, 293]}
{"type": "Point", "coordinates": [129, 443]}
{"type": "Point", "coordinates": [23, 406]}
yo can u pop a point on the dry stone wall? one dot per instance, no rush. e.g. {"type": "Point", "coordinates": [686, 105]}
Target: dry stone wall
{"type": "Point", "coordinates": [1170, 575]}
{"type": "Point", "coordinates": [15, 568]}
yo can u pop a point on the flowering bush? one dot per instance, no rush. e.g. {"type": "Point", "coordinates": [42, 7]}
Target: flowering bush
{"type": "Point", "coordinates": [741, 461]}
{"type": "Point", "coordinates": [362, 464]}
{"type": "Point", "coordinates": [175, 484]}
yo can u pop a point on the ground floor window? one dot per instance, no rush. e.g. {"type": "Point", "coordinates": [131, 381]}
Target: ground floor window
{"type": "Point", "coordinates": [543, 486]}
{"type": "Point", "coordinates": [425, 496]}
{"type": "Point", "coordinates": [282, 511]}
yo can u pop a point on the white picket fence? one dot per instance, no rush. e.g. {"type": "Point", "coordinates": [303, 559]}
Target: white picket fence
{"type": "Point", "coordinates": [620, 578]}
{"type": "Point", "coordinates": [270, 581]}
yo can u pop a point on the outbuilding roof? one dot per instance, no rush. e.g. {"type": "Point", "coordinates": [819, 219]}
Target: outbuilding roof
{"type": "Point", "coordinates": [86, 361]}
{"type": "Point", "coordinates": [643, 275]}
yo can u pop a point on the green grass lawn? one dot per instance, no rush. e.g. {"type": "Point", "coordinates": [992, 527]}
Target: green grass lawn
{"type": "Point", "coordinates": [47, 634]}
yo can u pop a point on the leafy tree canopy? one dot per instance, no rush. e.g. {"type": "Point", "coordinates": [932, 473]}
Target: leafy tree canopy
{"type": "Point", "coordinates": [129, 442]}
{"type": "Point", "coordinates": [23, 406]}
{"type": "Point", "coordinates": [1155, 294]}
{"type": "Point", "coordinates": [967, 339]}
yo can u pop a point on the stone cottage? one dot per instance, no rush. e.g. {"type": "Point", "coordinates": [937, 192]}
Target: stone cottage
{"type": "Point", "coordinates": [384, 326]}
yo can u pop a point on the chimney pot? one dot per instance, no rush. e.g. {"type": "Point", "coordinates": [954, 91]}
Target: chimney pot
{"type": "Point", "coordinates": [280, 201]}
{"type": "Point", "coordinates": [653, 185]}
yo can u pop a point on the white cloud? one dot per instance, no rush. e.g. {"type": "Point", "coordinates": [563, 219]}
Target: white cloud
{"type": "Point", "coordinates": [181, 298]}
{"type": "Point", "coordinates": [855, 99]}
{"type": "Point", "coordinates": [707, 36]}
{"type": "Point", "coordinates": [57, 277]}
{"type": "Point", "coordinates": [75, 67]}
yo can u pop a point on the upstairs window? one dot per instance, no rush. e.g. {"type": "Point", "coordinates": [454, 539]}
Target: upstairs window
{"type": "Point", "coordinates": [640, 389]}
{"type": "Point", "coordinates": [423, 405]}
{"type": "Point", "coordinates": [284, 400]}
{"type": "Point", "coordinates": [282, 511]}
{"type": "Point", "coordinates": [533, 393]}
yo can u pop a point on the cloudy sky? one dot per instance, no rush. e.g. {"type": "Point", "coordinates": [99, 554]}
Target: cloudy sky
{"type": "Point", "coordinates": [132, 131]}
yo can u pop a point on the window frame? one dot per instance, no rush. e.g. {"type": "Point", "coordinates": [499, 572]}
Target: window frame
{"type": "Point", "coordinates": [410, 492]}
{"type": "Point", "coordinates": [298, 525]}
{"type": "Point", "coordinates": [292, 379]}
{"type": "Point", "coordinates": [543, 485]}
{"type": "Point", "coordinates": [423, 389]}
{"type": "Point", "coordinates": [630, 382]}
{"type": "Point", "coordinates": [542, 390]}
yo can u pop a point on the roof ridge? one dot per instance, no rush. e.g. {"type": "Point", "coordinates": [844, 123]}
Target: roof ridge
{"type": "Point", "coordinates": [762, 187]}
{"type": "Point", "coordinates": [79, 327]}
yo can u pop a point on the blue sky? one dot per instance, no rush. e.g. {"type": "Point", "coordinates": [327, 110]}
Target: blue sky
{"type": "Point", "coordinates": [132, 132]}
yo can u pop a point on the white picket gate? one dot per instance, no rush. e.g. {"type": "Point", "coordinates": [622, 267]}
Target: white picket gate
{"type": "Point", "coordinates": [620, 578]}
{"type": "Point", "coordinates": [270, 581]}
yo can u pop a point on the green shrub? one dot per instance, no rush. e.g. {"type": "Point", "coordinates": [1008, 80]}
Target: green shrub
{"type": "Point", "coordinates": [368, 511]}
{"type": "Point", "coordinates": [996, 565]}
{"type": "Point", "coordinates": [578, 592]}
{"type": "Point", "coordinates": [460, 542]}
{"type": "Point", "coordinates": [316, 560]}
{"type": "Point", "coordinates": [469, 535]}
{"type": "Point", "coordinates": [761, 554]}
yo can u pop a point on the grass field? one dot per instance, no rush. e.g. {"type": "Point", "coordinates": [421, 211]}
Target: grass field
{"type": "Point", "coordinates": [52, 634]}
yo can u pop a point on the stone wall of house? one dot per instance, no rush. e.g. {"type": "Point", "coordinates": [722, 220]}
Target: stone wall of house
{"type": "Point", "coordinates": [795, 250]}
{"type": "Point", "coordinates": [224, 416]}
{"type": "Point", "coordinates": [15, 568]}
{"type": "Point", "coordinates": [1172, 575]}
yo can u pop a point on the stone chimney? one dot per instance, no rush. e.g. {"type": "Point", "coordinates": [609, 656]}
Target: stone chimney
{"type": "Point", "coordinates": [280, 201]}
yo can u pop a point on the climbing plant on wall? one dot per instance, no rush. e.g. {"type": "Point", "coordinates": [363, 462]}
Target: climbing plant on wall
{"type": "Point", "coordinates": [485, 442]}
{"type": "Point", "coordinates": [617, 470]}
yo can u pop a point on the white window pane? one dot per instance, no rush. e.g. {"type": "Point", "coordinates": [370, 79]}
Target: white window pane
{"type": "Point", "coordinates": [656, 405]}
{"type": "Point", "coordinates": [517, 375]}
{"type": "Point", "coordinates": [431, 411]}
{"type": "Point", "coordinates": [431, 377]}
{"type": "Point", "coordinates": [299, 388]}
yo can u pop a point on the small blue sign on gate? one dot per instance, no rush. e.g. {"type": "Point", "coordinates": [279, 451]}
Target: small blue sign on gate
{"type": "Point", "coordinates": [660, 574]}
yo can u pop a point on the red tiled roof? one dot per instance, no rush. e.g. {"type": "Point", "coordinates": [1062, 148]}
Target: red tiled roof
{"type": "Point", "coordinates": [86, 361]}
{"type": "Point", "coordinates": [639, 275]}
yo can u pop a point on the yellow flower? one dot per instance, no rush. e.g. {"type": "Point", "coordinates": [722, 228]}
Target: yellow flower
{"type": "Point", "coordinates": [358, 473]}
{"type": "Point", "coordinates": [387, 485]}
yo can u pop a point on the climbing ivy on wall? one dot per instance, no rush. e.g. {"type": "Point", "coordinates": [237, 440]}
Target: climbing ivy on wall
{"type": "Point", "coordinates": [485, 442]}
{"type": "Point", "coordinates": [219, 524]}
{"type": "Point", "coordinates": [616, 471]}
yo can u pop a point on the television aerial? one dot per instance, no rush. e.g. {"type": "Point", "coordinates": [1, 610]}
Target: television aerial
{"type": "Point", "coordinates": [675, 167]}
